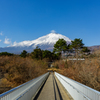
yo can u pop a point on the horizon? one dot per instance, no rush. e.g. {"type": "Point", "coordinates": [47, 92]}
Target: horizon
{"type": "Point", "coordinates": [15, 44]}
{"type": "Point", "coordinates": [29, 20]}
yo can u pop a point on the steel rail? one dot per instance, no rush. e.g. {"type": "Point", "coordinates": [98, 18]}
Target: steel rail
{"type": "Point", "coordinates": [29, 88]}
{"type": "Point", "coordinates": [77, 90]}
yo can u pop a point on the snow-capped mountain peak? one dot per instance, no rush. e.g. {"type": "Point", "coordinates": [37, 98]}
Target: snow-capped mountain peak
{"type": "Point", "coordinates": [44, 42]}
{"type": "Point", "coordinates": [50, 38]}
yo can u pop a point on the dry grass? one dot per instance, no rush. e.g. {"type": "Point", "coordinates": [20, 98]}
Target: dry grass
{"type": "Point", "coordinates": [86, 72]}
{"type": "Point", "coordinates": [16, 70]}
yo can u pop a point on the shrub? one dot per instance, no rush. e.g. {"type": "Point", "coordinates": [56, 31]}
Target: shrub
{"type": "Point", "coordinates": [17, 70]}
{"type": "Point", "coordinates": [86, 72]}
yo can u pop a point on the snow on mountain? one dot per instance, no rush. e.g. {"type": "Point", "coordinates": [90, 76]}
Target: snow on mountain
{"type": "Point", "coordinates": [44, 40]}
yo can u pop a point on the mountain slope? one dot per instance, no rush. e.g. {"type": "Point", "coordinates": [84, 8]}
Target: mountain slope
{"type": "Point", "coordinates": [44, 42]}
{"type": "Point", "coordinates": [47, 39]}
{"type": "Point", "coordinates": [93, 48]}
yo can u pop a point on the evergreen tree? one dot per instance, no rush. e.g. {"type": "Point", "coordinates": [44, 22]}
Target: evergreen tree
{"type": "Point", "coordinates": [77, 45]}
{"type": "Point", "coordinates": [6, 54]}
{"type": "Point", "coordinates": [60, 46]}
{"type": "Point", "coordinates": [47, 54]}
{"type": "Point", "coordinates": [23, 54]}
{"type": "Point", "coordinates": [37, 53]}
{"type": "Point", "coordinates": [85, 50]}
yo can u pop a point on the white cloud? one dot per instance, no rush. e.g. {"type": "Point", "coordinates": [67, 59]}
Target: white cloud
{"type": "Point", "coordinates": [53, 31]}
{"type": "Point", "coordinates": [1, 33]}
{"type": "Point", "coordinates": [7, 41]}
{"type": "Point", "coordinates": [0, 40]}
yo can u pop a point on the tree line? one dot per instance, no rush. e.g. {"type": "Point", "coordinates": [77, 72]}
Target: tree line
{"type": "Point", "coordinates": [76, 47]}
{"type": "Point", "coordinates": [40, 54]}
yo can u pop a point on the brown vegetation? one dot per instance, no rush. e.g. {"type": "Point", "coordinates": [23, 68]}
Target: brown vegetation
{"type": "Point", "coordinates": [15, 70]}
{"type": "Point", "coordinates": [86, 72]}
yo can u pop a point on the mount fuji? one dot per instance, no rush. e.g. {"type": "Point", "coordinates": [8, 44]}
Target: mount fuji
{"type": "Point", "coordinates": [45, 43]}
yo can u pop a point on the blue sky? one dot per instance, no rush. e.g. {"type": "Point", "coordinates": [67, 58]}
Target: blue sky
{"type": "Point", "coordinates": [29, 19]}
